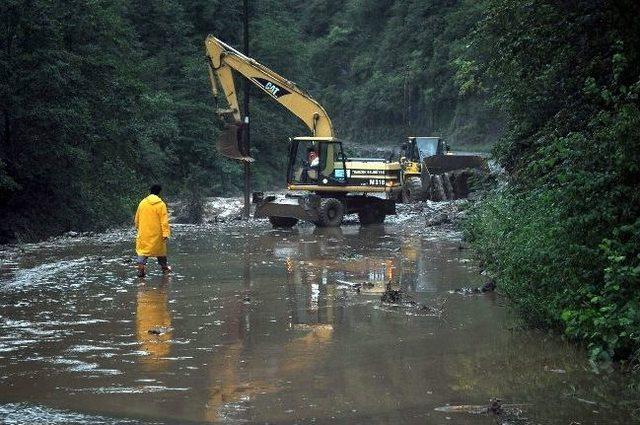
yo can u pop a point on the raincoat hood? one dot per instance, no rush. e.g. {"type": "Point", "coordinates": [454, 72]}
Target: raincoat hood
{"type": "Point", "coordinates": [153, 199]}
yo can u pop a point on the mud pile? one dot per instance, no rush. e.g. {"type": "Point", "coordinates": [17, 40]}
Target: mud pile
{"type": "Point", "coordinates": [215, 210]}
{"type": "Point", "coordinates": [430, 213]}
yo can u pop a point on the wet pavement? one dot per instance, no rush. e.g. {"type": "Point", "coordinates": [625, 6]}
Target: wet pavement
{"type": "Point", "coordinates": [265, 326]}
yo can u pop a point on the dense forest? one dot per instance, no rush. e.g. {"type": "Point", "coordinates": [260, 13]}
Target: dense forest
{"type": "Point", "coordinates": [98, 99]}
{"type": "Point", "coordinates": [101, 98]}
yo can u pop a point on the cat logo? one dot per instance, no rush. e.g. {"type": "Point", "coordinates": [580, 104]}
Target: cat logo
{"type": "Point", "coordinates": [270, 87]}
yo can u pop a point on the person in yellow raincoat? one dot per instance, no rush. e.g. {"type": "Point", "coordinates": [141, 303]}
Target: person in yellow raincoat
{"type": "Point", "coordinates": [152, 223]}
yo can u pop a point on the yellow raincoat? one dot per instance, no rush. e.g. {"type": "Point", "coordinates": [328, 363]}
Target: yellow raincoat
{"type": "Point", "coordinates": [152, 222]}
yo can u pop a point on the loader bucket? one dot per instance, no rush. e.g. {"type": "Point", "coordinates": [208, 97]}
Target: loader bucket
{"type": "Point", "coordinates": [440, 164]}
{"type": "Point", "coordinates": [230, 142]}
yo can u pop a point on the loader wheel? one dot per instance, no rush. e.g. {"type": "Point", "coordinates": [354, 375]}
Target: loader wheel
{"type": "Point", "coordinates": [283, 222]}
{"type": "Point", "coordinates": [330, 213]}
{"type": "Point", "coordinates": [412, 190]}
{"type": "Point", "coordinates": [372, 215]}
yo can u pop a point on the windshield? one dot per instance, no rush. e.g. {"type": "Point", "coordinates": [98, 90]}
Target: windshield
{"type": "Point", "coordinates": [427, 146]}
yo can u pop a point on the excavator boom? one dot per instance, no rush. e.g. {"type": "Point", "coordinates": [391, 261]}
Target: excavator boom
{"type": "Point", "coordinates": [224, 59]}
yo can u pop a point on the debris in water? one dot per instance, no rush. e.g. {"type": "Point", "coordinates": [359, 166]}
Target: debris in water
{"type": "Point", "coordinates": [399, 298]}
{"type": "Point", "coordinates": [463, 245]}
{"type": "Point", "coordinates": [489, 286]}
{"type": "Point", "coordinates": [159, 330]}
{"type": "Point", "coordinates": [585, 401]}
{"type": "Point", "coordinates": [357, 286]}
{"type": "Point", "coordinates": [392, 296]}
{"type": "Point", "coordinates": [548, 369]}
{"type": "Point", "coordinates": [463, 408]}
{"type": "Point", "coordinates": [311, 327]}
{"type": "Point", "coordinates": [495, 407]}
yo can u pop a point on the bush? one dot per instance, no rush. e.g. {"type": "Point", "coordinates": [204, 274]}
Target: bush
{"type": "Point", "coordinates": [565, 244]}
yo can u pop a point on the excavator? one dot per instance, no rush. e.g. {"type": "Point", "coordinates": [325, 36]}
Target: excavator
{"type": "Point", "coordinates": [323, 184]}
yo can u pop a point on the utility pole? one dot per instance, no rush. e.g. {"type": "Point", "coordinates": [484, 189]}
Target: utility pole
{"type": "Point", "coordinates": [245, 133]}
{"type": "Point", "coordinates": [406, 104]}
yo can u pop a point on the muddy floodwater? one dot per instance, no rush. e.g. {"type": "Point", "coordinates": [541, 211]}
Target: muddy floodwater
{"type": "Point", "coordinates": [265, 326]}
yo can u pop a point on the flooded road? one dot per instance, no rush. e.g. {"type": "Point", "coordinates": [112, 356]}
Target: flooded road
{"type": "Point", "coordinates": [265, 326]}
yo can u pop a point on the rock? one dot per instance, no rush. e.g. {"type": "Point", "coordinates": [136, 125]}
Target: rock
{"type": "Point", "coordinates": [392, 296]}
{"type": "Point", "coordinates": [466, 291]}
{"type": "Point", "coordinates": [489, 286]}
{"type": "Point", "coordinates": [495, 406]}
{"type": "Point", "coordinates": [438, 219]}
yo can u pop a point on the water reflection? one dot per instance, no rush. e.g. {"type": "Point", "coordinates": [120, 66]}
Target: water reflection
{"type": "Point", "coordinates": [349, 256]}
{"type": "Point", "coordinates": [153, 324]}
{"type": "Point", "coordinates": [311, 317]}
{"type": "Point", "coordinates": [227, 384]}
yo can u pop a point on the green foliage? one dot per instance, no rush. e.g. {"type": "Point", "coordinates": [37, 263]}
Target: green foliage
{"type": "Point", "coordinates": [563, 239]}
{"type": "Point", "coordinates": [65, 106]}
{"type": "Point", "coordinates": [100, 99]}
{"type": "Point", "coordinates": [386, 69]}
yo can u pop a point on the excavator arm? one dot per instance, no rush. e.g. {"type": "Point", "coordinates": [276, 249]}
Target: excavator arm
{"type": "Point", "coordinates": [223, 60]}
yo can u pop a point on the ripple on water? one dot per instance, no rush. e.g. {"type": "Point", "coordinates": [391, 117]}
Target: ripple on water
{"type": "Point", "coordinates": [89, 348]}
{"type": "Point", "coordinates": [23, 413]}
{"type": "Point", "coordinates": [76, 365]}
{"type": "Point", "coordinates": [143, 389]}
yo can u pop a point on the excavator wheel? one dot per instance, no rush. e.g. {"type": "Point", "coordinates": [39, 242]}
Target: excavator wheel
{"type": "Point", "coordinates": [330, 213]}
{"type": "Point", "coordinates": [283, 222]}
{"type": "Point", "coordinates": [413, 191]}
{"type": "Point", "coordinates": [371, 215]}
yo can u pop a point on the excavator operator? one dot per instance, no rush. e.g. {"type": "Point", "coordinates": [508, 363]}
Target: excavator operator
{"type": "Point", "coordinates": [310, 166]}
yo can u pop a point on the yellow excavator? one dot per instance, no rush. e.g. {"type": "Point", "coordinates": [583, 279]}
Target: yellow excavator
{"type": "Point", "coordinates": [324, 185]}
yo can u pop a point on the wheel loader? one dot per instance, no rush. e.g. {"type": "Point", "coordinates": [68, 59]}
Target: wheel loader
{"type": "Point", "coordinates": [323, 184]}
{"type": "Point", "coordinates": [429, 170]}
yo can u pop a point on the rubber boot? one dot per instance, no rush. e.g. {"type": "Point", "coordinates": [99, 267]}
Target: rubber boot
{"type": "Point", "coordinates": [141, 272]}
{"type": "Point", "coordinates": [166, 270]}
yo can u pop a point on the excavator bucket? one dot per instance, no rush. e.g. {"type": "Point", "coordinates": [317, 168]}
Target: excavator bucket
{"type": "Point", "coordinates": [230, 142]}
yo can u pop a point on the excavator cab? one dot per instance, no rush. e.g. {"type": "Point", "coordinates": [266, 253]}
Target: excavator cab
{"type": "Point", "coordinates": [316, 161]}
